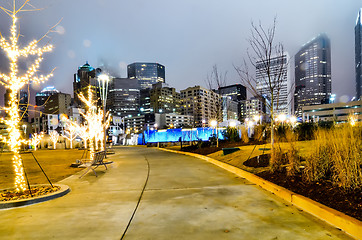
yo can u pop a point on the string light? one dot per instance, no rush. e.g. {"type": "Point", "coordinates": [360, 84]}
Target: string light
{"type": "Point", "coordinates": [94, 122]}
{"type": "Point", "coordinates": [14, 82]}
{"type": "Point", "coordinates": [36, 139]}
{"type": "Point", "coordinates": [71, 130]}
{"type": "Point", "coordinates": [83, 133]}
{"type": "Point", "coordinates": [54, 136]}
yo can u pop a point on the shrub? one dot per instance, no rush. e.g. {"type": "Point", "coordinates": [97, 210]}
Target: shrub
{"type": "Point", "coordinates": [292, 153]}
{"type": "Point", "coordinates": [337, 155]}
{"type": "Point", "coordinates": [244, 135]}
{"type": "Point", "coordinates": [305, 131]}
{"type": "Point", "coordinates": [232, 134]}
{"type": "Point", "coordinates": [260, 133]}
{"type": "Point", "coordinates": [276, 159]}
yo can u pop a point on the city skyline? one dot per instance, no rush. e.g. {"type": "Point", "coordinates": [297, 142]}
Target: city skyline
{"type": "Point", "coordinates": [187, 37]}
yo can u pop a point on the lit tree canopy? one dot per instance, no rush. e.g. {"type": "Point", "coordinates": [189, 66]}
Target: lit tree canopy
{"type": "Point", "coordinates": [14, 81]}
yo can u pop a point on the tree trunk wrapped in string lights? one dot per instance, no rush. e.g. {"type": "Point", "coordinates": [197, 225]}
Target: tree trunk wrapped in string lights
{"type": "Point", "coordinates": [94, 121]}
{"type": "Point", "coordinates": [14, 81]}
{"type": "Point", "coordinates": [54, 136]}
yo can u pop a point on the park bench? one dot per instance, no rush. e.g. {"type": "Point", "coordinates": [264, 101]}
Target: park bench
{"type": "Point", "coordinates": [97, 161]}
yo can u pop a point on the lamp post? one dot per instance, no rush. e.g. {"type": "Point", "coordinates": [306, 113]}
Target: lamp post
{"type": "Point", "coordinates": [103, 80]}
{"type": "Point", "coordinates": [213, 124]}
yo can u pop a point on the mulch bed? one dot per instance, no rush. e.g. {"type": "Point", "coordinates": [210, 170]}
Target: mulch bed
{"type": "Point", "coordinates": [348, 202]}
{"type": "Point", "coordinates": [206, 150]}
{"type": "Point", "coordinates": [36, 191]}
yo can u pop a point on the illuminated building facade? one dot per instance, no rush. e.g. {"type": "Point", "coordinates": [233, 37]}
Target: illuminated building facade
{"type": "Point", "coordinates": [230, 109]}
{"type": "Point", "coordinates": [145, 101]}
{"type": "Point", "coordinates": [57, 104]}
{"type": "Point", "coordinates": [252, 107]}
{"type": "Point", "coordinates": [337, 112]}
{"type": "Point", "coordinates": [134, 124]}
{"type": "Point", "coordinates": [282, 90]}
{"type": "Point", "coordinates": [85, 76]}
{"type": "Point", "coordinates": [237, 93]}
{"type": "Point", "coordinates": [204, 105]}
{"type": "Point", "coordinates": [164, 99]}
{"type": "Point", "coordinates": [173, 120]}
{"type": "Point", "coordinates": [123, 97]}
{"type": "Point", "coordinates": [42, 97]}
{"type": "Point", "coordinates": [358, 54]}
{"type": "Point", "coordinates": [313, 84]}
{"type": "Point", "coordinates": [23, 99]}
{"type": "Point", "coordinates": [146, 73]}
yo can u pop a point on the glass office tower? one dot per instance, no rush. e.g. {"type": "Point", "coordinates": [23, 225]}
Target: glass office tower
{"type": "Point", "coordinates": [313, 84]}
{"type": "Point", "coordinates": [146, 73]}
{"type": "Point", "coordinates": [358, 54]}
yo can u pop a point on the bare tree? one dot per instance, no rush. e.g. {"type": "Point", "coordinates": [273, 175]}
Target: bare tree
{"type": "Point", "coordinates": [269, 58]}
{"type": "Point", "coordinates": [215, 80]}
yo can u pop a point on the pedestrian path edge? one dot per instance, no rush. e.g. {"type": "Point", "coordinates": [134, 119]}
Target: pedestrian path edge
{"type": "Point", "coordinates": [349, 225]}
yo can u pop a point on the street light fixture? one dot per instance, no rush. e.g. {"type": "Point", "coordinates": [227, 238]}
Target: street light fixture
{"type": "Point", "coordinates": [232, 124]}
{"type": "Point", "coordinates": [103, 81]}
{"type": "Point", "coordinates": [213, 124]}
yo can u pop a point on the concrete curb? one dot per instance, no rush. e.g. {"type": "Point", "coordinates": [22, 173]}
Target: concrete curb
{"type": "Point", "coordinates": [64, 189]}
{"type": "Point", "coordinates": [351, 226]}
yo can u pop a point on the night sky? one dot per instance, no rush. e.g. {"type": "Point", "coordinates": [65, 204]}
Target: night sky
{"type": "Point", "coordinates": [187, 37]}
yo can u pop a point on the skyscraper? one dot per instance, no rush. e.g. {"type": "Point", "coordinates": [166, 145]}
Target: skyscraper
{"type": "Point", "coordinates": [123, 97]}
{"type": "Point", "coordinates": [164, 99]}
{"type": "Point", "coordinates": [85, 76]}
{"type": "Point", "coordinates": [23, 102]}
{"type": "Point", "coordinates": [146, 73]}
{"type": "Point", "coordinates": [313, 83]}
{"type": "Point", "coordinates": [358, 53]}
{"type": "Point", "coordinates": [236, 92]}
{"type": "Point", "coordinates": [277, 71]}
{"type": "Point", "coordinates": [203, 104]}
{"type": "Point", "coordinates": [43, 96]}
{"type": "Point", "coordinates": [58, 103]}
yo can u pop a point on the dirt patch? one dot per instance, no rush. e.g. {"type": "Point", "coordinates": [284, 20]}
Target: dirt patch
{"type": "Point", "coordinates": [346, 201]}
{"type": "Point", "coordinates": [258, 161]}
{"type": "Point", "coordinates": [206, 149]}
{"type": "Point", "coordinates": [263, 161]}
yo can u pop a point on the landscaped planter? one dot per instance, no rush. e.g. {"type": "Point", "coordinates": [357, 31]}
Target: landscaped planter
{"type": "Point", "coordinates": [63, 190]}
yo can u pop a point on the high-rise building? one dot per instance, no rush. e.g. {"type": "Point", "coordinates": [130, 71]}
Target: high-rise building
{"type": "Point", "coordinates": [85, 76]}
{"type": "Point", "coordinates": [236, 92]}
{"type": "Point", "coordinates": [313, 84]}
{"type": "Point", "coordinates": [275, 72]}
{"type": "Point", "coordinates": [146, 73]}
{"type": "Point", "coordinates": [23, 103]}
{"type": "Point", "coordinates": [41, 97]}
{"type": "Point", "coordinates": [164, 99]}
{"type": "Point", "coordinates": [230, 109]}
{"type": "Point", "coordinates": [204, 105]}
{"type": "Point", "coordinates": [123, 97]}
{"type": "Point", "coordinates": [57, 104]}
{"type": "Point", "coordinates": [145, 101]}
{"type": "Point", "coordinates": [251, 108]}
{"type": "Point", "coordinates": [358, 54]}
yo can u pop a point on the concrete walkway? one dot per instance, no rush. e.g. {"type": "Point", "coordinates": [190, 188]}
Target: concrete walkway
{"type": "Point", "coordinates": [185, 198]}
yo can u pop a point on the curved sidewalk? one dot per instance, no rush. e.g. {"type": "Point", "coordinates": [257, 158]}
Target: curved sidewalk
{"type": "Point", "coordinates": [185, 198]}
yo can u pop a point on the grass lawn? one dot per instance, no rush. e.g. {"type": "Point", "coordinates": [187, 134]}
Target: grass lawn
{"type": "Point", "coordinates": [56, 164]}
